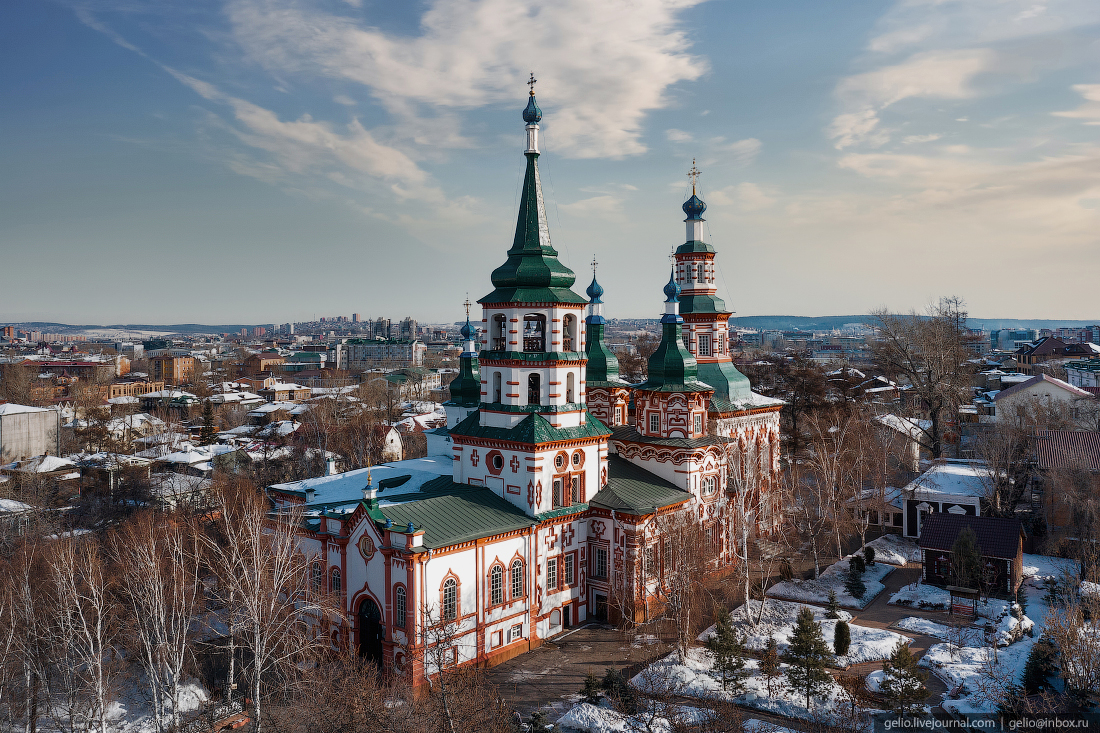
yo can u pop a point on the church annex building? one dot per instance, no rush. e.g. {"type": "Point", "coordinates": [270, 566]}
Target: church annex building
{"type": "Point", "coordinates": [538, 505]}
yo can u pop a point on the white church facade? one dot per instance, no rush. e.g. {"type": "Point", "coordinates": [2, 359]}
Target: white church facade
{"type": "Point", "coordinates": [539, 504]}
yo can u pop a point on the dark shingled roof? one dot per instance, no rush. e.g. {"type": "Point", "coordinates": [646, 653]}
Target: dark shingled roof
{"type": "Point", "coordinates": [630, 434]}
{"type": "Point", "coordinates": [997, 536]}
{"type": "Point", "coordinates": [634, 490]}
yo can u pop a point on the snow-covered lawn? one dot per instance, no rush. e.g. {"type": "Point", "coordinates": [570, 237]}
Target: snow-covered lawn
{"type": "Point", "coordinates": [1043, 567]}
{"type": "Point", "coordinates": [752, 725]}
{"type": "Point", "coordinates": [921, 595]}
{"type": "Point", "coordinates": [894, 549]}
{"type": "Point", "coordinates": [778, 619]}
{"type": "Point", "coordinates": [133, 714]}
{"type": "Point", "coordinates": [692, 678]}
{"type": "Point", "coordinates": [833, 579]}
{"type": "Point", "coordinates": [599, 718]}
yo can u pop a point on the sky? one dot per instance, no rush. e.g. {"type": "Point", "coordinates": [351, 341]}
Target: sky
{"type": "Point", "coordinates": [264, 161]}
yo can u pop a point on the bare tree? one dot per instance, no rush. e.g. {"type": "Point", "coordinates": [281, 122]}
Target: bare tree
{"type": "Point", "coordinates": [257, 560]}
{"type": "Point", "coordinates": [158, 562]}
{"type": "Point", "coordinates": [929, 352]}
{"type": "Point", "coordinates": [83, 623]}
{"type": "Point", "coordinates": [686, 556]}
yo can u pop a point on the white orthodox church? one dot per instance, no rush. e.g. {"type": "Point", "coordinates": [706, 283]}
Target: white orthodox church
{"type": "Point", "coordinates": [537, 507]}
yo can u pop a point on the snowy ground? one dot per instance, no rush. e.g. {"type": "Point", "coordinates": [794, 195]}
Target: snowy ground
{"type": "Point", "coordinates": [894, 549]}
{"type": "Point", "coordinates": [692, 678]}
{"type": "Point", "coordinates": [599, 718]}
{"type": "Point", "coordinates": [833, 578]}
{"type": "Point", "coordinates": [1042, 567]}
{"type": "Point", "coordinates": [778, 619]}
{"type": "Point", "coordinates": [132, 713]}
{"type": "Point", "coordinates": [921, 595]}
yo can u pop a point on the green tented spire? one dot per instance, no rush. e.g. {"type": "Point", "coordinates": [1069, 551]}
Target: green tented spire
{"type": "Point", "coordinates": [532, 273]}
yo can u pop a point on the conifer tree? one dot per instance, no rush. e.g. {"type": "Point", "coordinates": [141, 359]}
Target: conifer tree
{"type": "Point", "coordinates": [903, 682]}
{"type": "Point", "coordinates": [208, 434]}
{"type": "Point", "coordinates": [966, 560]}
{"type": "Point", "coordinates": [769, 665]}
{"type": "Point", "coordinates": [539, 721]}
{"type": "Point", "coordinates": [1039, 667]}
{"type": "Point", "coordinates": [854, 585]}
{"type": "Point", "coordinates": [842, 638]}
{"type": "Point", "coordinates": [857, 564]}
{"type": "Point", "coordinates": [727, 649]}
{"type": "Point", "coordinates": [591, 689]}
{"type": "Point", "coordinates": [869, 555]}
{"type": "Point", "coordinates": [833, 607]}
{"type": "Point", "coordinates": [807, 657]}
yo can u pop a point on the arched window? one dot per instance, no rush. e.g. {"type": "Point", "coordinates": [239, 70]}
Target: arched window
{"type": "Point", "coordinates": [496, 387]}
{"type": "Point", "coordinates": [499, 335]}
{"type": "Point", "coordinates": [496, 585]}
{"type": "Point", "coordinates": [569, 334]}
{"type": "Point", "coordinates": [534, 389]}
{"type": "Point", "coordinates": [534, 332]}
{"type": "Point", "coordinates": [334, 585]}
{"type": "Point", "coordinates": [450, 599]}
{"type": "Point", "coordinates": [517, 578]}
{"type": "Point", "coordinates": [399, 606]}
{"type": "Point", "coordinates": [710, 485]}
{"type": "Point", "coordinates": [569, 387]}
{"type": "Point", "coordinates": [315, 577]}
{"type": "Point", "coordinates": [702, 273]}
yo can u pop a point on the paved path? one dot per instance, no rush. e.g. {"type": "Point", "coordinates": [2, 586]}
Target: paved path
{"type": "Point", "coordinates": [880, 615]}
{"type": "Point", "coordinates": [552, 675]}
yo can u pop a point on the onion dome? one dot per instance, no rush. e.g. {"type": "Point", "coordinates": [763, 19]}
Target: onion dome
{"type": "Point", "coordinates": [467, 331]}
{"type": "Point", "coordinates": [672, 290]}
{"type": "Point", "coordinates": [532, 114]}
{"type": "Point", "coordinates": [694, 207]}
{"type": "Point", "coordinates": [595, 291]}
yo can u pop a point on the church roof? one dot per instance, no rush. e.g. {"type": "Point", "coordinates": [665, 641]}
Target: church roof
{"type": "Point", "coordinates": [603, 365]}
{"type": "Point", "coordinates": [533, 429]}
{"type": "Point", "coordinates": [672, 368]}
{"type": "Point", "coordinates": [451, 513]}
{"type": "Point", "coordinates": [633, 490]}
{"type": "Point", "coordinates": [627, 433]}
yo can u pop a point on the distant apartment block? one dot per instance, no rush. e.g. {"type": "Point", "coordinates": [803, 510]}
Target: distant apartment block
{"type": "Point", "coordinates": [360, 354]}
{"type": "Point", "coordinates": [172, 369]}
{"type": "Point", "coordinates": [26, 432]}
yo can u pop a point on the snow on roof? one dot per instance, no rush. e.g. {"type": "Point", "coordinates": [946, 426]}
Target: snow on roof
{"type": "Point", "coordinates": [272, 407]}
{"type": "Point", "coordinates": [954, 477]}
{"type": "Point", "coordinates": [124, 400]}
{"type": "Point", "coordinates": [11, 506]}
{"type": "Point", "coordinates": [230, 397]}
{"type": "Point", "coordinates": [166, 393]}
{"type": "Point", "coordinates": [1033, 381]}
{"type": "Point", "coordinates": [10, 408]}
{"type": "Point", "coordinates": [40, 464]}
{"type": "Point", "coordinates": [913, 429]}
{"type": "Point", "coordinates": [347, 488]}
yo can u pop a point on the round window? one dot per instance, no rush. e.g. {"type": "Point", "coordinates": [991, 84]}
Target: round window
{"type": "Point", "coordinates": [577, 458]}
{"type": "Point", "coordinates": [498, 461]}
{"type": "Point", "coordinates": [559, 460]}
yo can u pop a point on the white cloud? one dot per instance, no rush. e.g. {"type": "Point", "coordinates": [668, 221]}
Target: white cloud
{"type": "Point", "coordinates": [344, 100]}
{"type": "Point", "coordinates": [743, 151]}
{"type": "Point", "coordinates": [601, 66]}
{"type": "Point", "coordinates": [1090, 110]}
{"type": "Point", "coordinates": [678, 136]}
{"type": "Point", "coordinates": [852, 127]}
{"type": "Point", "coordinates": [746, 196]}
{"type": "Point", "coordinates": [605, 205]}
{"type": "Point", "coordinates": [914, 139]}
{"type": "Point", "coordinates": [932, 74]}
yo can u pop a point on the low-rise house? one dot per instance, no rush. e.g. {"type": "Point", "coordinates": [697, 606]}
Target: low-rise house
{"type": "Point", "coordinates": [948, 487]}
{"type": "Point", "coordinates": [1000, 542]}
{"type": "Point", "coordinates": [1084, 374]}
{"type": "Point", "coordinates": [1067, 476]}
{"type": "Point", "coordinates": [1043, 389]}
{"type": "Point", "coordinates": [284, 392]}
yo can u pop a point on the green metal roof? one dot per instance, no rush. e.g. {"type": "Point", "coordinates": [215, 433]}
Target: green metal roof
{"type": "Point", "coordinates": [465, 389]}
{"type": "Point", "coordinates": [532, 272]}
{"type": "Point", "coordinates": [633, 490]}
{"type": "Point", "coordinates": [729, 384]}
{"type": "Point", "coordinates": [452, 513]}
{"type": "Point", "coordinates": [672, 368]}
{"type": "Point", "coordinates": [628, 433]}
{"type": "Point", "coordinates": [702, 304]}
{"type": "Point", "coordinates": [532, 430]}
{"type": "Point", "coordinates": [603, 365]}
{"type": "Point", "coordinates": [694, 246]}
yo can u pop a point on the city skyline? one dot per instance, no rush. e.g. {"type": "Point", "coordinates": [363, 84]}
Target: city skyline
{"type": "Point", "coordinates": [276, 159]}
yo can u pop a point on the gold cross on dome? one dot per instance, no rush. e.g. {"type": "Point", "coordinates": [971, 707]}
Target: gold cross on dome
{"type": "Point", "coordinates": [467, 304]}
{"type": "Point", "coordinates": [531, 83]}
{"type": "Point", "coordinates": [694, 174]}
{"type": "Point", "coordinates": [594, 263]}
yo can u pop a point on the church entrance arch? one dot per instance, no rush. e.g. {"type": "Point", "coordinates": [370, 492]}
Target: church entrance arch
{"type": "Point", "coordinates": [370, 631]}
